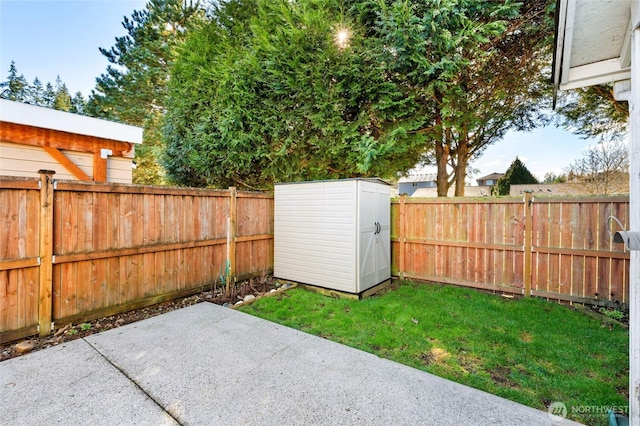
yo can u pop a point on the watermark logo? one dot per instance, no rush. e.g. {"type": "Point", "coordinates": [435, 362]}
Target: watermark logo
{"type": "Point", "coordinates": [557, 411]}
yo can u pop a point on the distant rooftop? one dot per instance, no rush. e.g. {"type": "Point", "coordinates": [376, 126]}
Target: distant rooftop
{"type": "Point", "coordinates": [492, 176]}
{"type": "Point", "coordinates": [426, 177]}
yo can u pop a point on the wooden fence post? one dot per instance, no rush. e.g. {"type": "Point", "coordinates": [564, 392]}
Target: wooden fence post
{"type": "Point", "coordinates": [46, 252]}
{"type": "Point", "coordinates": [402, 237]}
{"type": "Point", "coordinates": [232, 223]}
{"type": "Point", "coordinates": [528, 241]}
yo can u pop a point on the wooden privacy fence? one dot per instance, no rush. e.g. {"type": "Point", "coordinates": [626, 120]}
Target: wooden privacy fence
{"type": "Point", "coordinates": [558, 248]}
{"type": "Point", "coordinates": [74, 251]}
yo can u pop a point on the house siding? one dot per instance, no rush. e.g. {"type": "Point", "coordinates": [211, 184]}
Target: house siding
{"type": "Point", "coordinates": [26, 160]}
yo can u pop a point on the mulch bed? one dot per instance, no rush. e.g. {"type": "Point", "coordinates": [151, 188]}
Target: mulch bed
{"type": "Point", "coordinates": [69, 332]}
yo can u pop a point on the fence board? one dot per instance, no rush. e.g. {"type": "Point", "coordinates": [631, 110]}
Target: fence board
{"type": "Point", "coordinates": [118, 246]}
{"type": "Point", "coordinates": [480, 243]}
{"type": "Point", "coordinates": [19, 253]}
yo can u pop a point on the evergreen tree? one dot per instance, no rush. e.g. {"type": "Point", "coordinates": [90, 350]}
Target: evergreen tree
{"type": "Point", "coordinates": [49, 96]}
{"type": "Point", "coordinates": [36, 93]}
{"type": "Point", "coordinates": [133, 89]}
{"type": "Point", "coordinates": [62, 99]}
{"type": "Point", "coordinates": [516, 174]}
{"type": "Point", "coordinates": [276, 98]}
{"type": "Point", "coordinates": [474, 70]}
{"type": "Point", "coordinates": [16, 88]}
{"type": "Point", "coordinates": [594, 112]}
{"type": "Point", "coordinates": [269, 92]}
{"type": "Point", "coordinates": [78, 103]}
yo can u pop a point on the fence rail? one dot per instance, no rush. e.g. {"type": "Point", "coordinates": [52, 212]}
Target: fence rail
{"type": "Point", "coordinates": [74, 251]}
{"type": "Point", "coordinates": [558, 248]}
{"type": "Point", "coordinates": [113, 248]}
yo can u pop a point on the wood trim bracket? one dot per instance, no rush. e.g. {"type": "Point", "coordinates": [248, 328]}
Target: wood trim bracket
{"type": "Point", "coordinates": [66, 163]}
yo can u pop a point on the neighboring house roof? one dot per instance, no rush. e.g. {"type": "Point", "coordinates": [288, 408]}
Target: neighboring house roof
{"type": "Point", "coordinates": [426, 177]}
{"type": "Point", "coordinates": [469, 191]}
{"type": "Point", "coordinates": [47, 118]}
{"type": "Point", "coordinates": [492, 176]}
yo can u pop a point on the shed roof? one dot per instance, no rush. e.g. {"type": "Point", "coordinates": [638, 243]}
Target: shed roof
{"type": "Point", "coordinates": [47, 118]}
{"type": "Point", "coordinates": [371, 180]}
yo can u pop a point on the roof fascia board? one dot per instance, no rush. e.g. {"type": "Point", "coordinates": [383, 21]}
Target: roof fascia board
{"type": "Point", "coordinates": [570, 14]}
{"type": "Point", "coordinates": [596, 73]}
{"type": "Point", "coordinates": [47, 118]}
{"type": "Point", "coordinates": [558, 51]}
{"type": "Point", "coordinates": [625, 52]}
{"type": "Point", "coordinates": [635, 14]}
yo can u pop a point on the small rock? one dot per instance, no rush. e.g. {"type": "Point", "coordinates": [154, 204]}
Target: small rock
{"type": "Point", "coordinates": [273, 290]}
{"type": "Point", "coordinates": [24, 347]}
{"type": "Point", "coordinates": [248, 298]}
{"type": "Point", "coordinates": [226, 305]}
{"type": "Point", "coordinates": [239, 302]}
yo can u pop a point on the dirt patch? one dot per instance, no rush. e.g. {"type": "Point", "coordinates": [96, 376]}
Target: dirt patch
{"type": "Point", "coordinates": [526, 337]}
{"type": "Point", "coordinates": [434, 356]}
{"type": "Point", "coordinates": [69, 332]}
{"type": "Point", "coordinates": [500, 376]}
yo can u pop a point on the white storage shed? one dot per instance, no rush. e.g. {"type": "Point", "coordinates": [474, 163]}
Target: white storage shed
{"type": "Point", "coordinates": [333, 234]}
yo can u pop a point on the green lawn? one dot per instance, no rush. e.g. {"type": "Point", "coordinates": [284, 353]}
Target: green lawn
{"type": "Point", "coordinates": [527, 350]}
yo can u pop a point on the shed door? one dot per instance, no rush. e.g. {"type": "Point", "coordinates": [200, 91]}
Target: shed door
{"type": "Point", "coordinates": [374, 218]}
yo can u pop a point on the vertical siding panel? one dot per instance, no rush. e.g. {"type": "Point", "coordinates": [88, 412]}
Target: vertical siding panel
{"type": "Point", "coordinates": [10, 305]}
{"type": "Point", "coordinates": [32, 295]}
{"type": "Point", "coordinates": [21, 300]}
{"type": "Point", "coordinates": [5, 314]}
{"type": "Point", "coordinates": [149, 219]}
{"type": "Point", "coordinates": [161, 219]}
{"type": "Point", "coordinates": [168, 225]}
{"type": "Point", "coordinates": [619, 279]}
{"type": "Point", "coordinates": [6, 212]}
{"type": "Point", "coordinates": [590, 276]}
{"type": "Point", "coordinates": [577, 276]}
{"type": "Point", "coordinates": [100, 222]}
{"type": "Point", "coordinates": [56, 297]}
{"type": "Point", "coordinates": [12, 237]}
{"type": "Point", "coordinates": [83, 297]}
{"type": "Point", "coordinates": [104, 283]}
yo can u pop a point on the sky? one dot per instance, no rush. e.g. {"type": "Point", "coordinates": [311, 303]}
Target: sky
{"type": "Point", "coordinates": [47, 38]}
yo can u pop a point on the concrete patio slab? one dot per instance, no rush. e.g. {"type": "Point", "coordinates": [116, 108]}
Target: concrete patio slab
{"type": "Point", "coordinates": [72, 384]}
{"type": "Point", "coordinates": [209, 365]}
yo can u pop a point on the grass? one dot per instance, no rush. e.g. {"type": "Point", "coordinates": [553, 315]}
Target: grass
{"type": "Point", "coordinates": [527, 350]}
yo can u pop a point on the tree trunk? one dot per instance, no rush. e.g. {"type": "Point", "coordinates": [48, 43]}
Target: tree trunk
{"type": "Point", "coordinates": [442, 157]}
{"type": "Point", "coordinates": [443, 150]}
{"type": "Point", "coordinates": [461, 167]}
